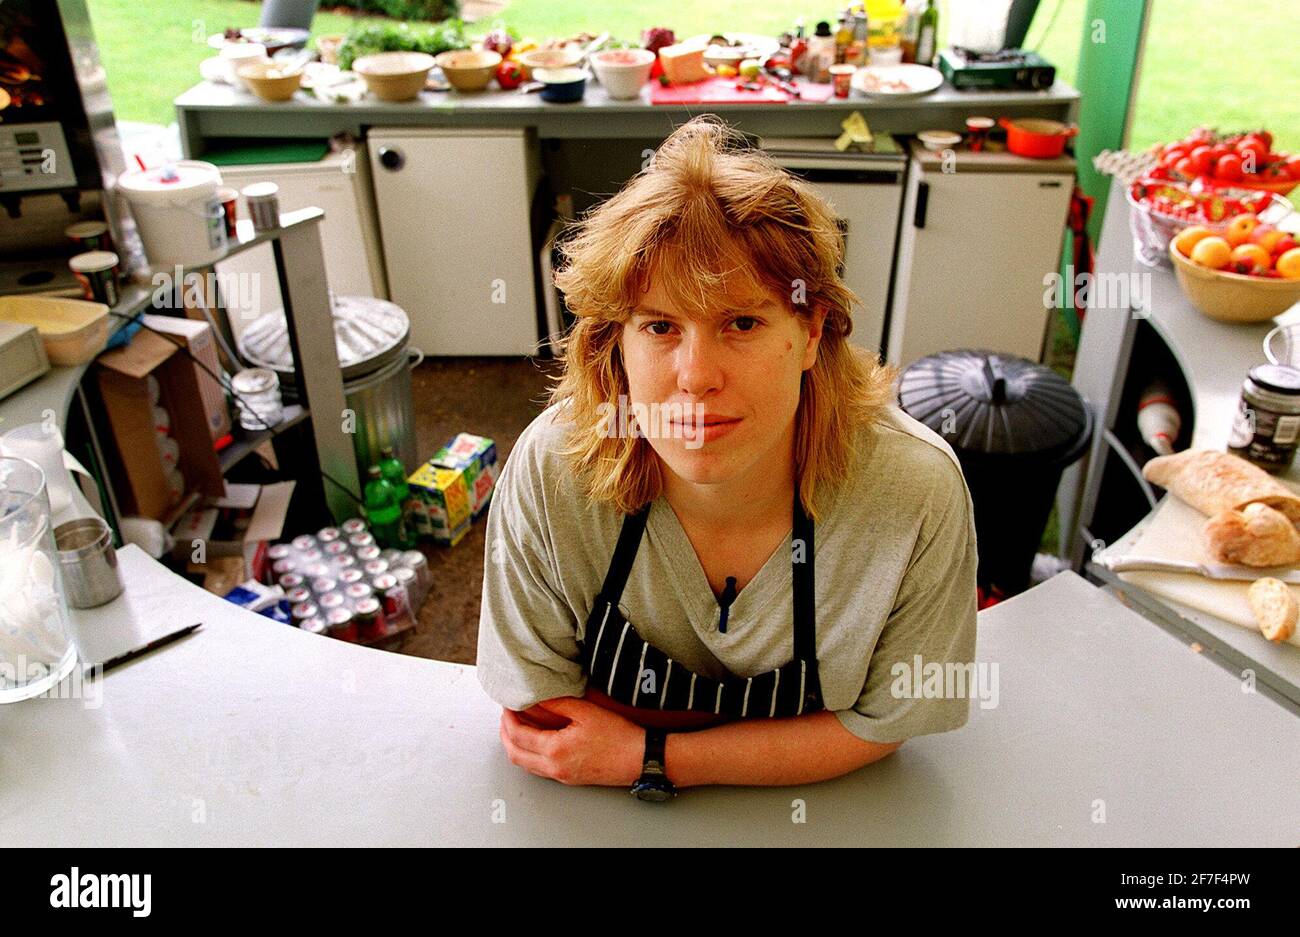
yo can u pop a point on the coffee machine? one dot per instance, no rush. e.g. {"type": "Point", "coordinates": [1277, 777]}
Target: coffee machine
{"type": "Point", "coordinates": [60, 153]}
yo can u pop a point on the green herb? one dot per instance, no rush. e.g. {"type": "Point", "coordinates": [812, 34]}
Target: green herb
{"type": "Point", "coordinates": [401, 37]}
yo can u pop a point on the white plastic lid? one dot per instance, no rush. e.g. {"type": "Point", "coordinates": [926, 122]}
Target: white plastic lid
{"type": "Point", "coordinates": [190, 176]}
{"type": "Point", "coordinates": [93, 261]}
{"type": "Point", "coordinates": [85, 229]}
{"type": "Point", "coordinates": [260, 190]}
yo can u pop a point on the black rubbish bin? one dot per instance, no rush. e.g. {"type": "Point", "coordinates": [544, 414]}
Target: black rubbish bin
{"type": "Point", "coordinates": [1015, 425]}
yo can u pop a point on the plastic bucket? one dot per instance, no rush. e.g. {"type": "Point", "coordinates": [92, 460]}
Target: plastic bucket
{"type": "Point", "coordinates": [180, 220]}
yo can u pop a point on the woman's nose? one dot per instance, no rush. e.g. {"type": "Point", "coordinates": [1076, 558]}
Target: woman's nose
{"type": "Point", "coordinates": [699, 364]}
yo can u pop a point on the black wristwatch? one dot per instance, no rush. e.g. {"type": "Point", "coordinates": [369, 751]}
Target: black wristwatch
{"type": "Point", "coordinates": [653, 785]}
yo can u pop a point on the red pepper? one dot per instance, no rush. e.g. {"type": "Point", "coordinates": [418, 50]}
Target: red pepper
{"type": "Point", "coordinates": [509, 75]}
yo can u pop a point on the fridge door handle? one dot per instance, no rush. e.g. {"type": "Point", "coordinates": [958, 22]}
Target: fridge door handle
{"type": "Point", "coordinates": [922, 204]}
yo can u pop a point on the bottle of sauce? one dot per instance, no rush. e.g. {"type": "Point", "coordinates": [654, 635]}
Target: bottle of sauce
{"type": "Point", "coordinates": [821, 53]}
{"type": "Point", "coordinates": [927, 36]}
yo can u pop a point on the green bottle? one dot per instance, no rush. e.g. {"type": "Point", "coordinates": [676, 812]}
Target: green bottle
{"type": "Point", "coordinates": [383, 513]}
{"type": "Point", "coordinates": [927, 35]}
{"type": "Point", "coordinates": [394, 473]}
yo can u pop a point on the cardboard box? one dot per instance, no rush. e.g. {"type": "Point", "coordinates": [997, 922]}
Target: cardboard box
{"type": "Point", "coordinates": [439, 503]}
{"type": "Point", "coordinates": [123, 384]}
{"type": "Point", "coordinates": [197, 338]}
{"type": "Point", "coordinates": [476, 458]}
{"type": "Point", "coordinates": [239, 526]}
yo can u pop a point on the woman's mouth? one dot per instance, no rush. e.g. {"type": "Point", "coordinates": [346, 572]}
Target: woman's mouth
{"type": "Point", "coordinates": [708, 429]}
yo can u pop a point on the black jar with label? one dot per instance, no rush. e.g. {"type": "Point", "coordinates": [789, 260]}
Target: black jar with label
{"type": "Point", "coordinates": [1266, 429]}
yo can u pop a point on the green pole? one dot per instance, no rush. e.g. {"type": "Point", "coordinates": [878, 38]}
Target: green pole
{"type": "Point", "coordinates": [1110, 55]}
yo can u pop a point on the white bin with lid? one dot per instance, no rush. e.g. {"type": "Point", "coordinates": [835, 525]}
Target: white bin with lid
{"type": "Point", "coordinates": [177, 212]}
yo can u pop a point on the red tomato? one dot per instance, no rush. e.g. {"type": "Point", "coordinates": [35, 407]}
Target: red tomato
{"type": "Point", "coordinates": [1172, 156]}
{"type": "Point", "coordinates": [1253, 155]}
{"type": "Point", "coordinates": [1284, 244]}
{"type": "Point", "coordinates": [1293, 166]}
{"type": "Point", "coordinates": [1220, 149]}
{"type": "Point", "coordinates": [1202, 160]}
{"type": "Point", "coordinates": [1255, 142]}
{"type": "Point", "coordinates": [1184, 166]}
{"type": "Point", "coordinates": [1228, 168]}
{"type": "Point", "coordinates": [1266, 137]}
{"type": "Point", "coordinates": [1170, 147]}
{"type": "Point", "coordinates": [509, 75]}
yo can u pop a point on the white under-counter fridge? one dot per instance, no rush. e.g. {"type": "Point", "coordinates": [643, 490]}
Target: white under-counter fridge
{"type": "Point", "coordinates": [455, 211]}
{"type": "Point", "coordinates": [979, 234]}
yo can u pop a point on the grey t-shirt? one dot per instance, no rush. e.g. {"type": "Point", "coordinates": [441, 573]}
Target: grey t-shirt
{"type": "Point", "coordinates": [895, 579]}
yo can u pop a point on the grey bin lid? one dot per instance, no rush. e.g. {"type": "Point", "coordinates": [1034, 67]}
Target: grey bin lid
{"type": "Point", "coordinates": [983, 403]}
{"type": "Point", "coordinates": [368, 333]}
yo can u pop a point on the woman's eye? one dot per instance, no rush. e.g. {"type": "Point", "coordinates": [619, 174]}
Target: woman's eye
{"type": "Point", "coordinates": [659, 327]}
{"type": "Point", "coordinates": [745, 323]}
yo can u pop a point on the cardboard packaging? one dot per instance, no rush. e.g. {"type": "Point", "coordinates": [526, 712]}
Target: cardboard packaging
{"type": "Point", "coordinates": [440, 503]}
{"type": "Point", "coordinates": [197, 338]}
{"type": "Point", "coordinates": [123, 384]}
{"type": "Point", "coordinates": [235, 532]}
{"type": "Point", "coordinates": [476, 458]}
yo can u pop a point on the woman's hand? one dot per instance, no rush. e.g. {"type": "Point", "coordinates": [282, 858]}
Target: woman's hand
{"type": "Point", "coordinates": [596, 747]}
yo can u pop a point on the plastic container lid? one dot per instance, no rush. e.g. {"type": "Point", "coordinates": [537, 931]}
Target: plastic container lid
{"type": "Point", "coordinates": [984, 403]}
{"type": "Point", "coordinates": [93, 262]}
{"type": "Point", "coordinates": [191, 176]}
{"type": "Point", "coordinates": [260, 190]}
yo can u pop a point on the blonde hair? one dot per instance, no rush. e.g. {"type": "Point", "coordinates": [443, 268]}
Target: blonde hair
{"type": "Point", "coordinates": [710, 209]}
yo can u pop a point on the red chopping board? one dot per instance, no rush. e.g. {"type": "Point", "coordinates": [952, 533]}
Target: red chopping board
{"type": "Point", "coordinates": [724, 91]}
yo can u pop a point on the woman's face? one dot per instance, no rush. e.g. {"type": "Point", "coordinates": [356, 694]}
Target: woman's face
{"type": "Point", "coordinates": [716, 397]}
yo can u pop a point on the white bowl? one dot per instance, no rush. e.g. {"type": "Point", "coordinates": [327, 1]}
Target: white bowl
{"type": "Point", "coordinates": [622, 72]}
{"type": "Point", "coordinates": [936, 140]}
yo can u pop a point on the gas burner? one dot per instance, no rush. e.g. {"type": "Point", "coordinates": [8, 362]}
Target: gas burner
{"type": "Point", "coordinates": [1003, 56]}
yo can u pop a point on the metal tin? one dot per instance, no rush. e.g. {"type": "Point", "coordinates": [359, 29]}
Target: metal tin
{"type": "Point", "coordinates": [314, 625]}
{"type": "Point", "coordinates": [315, 570]}
{"type": "Point", "coordinates": [359, 592]}
{"type": "Point", "coordinates": [374, 568]}
{"type": "Point", "coordinates": [369, 616]}
{"type": "Point", "coordinates": [404, 575]}
{"type": "Point", "coordinates": [304, 543]}
{"type": "Point", "coordinates": [278, 551]}
{"type": "Point", "coordinates": [298, 595]}
{"type": "Point", "coordinates": [331, 600]}
{"type": "Point", "coordinates": [1266, 430]}
{"type": "Point", "coordinates": [323, 584]}
{"type": "Point", "coordinates": [391, 557]}
{"type": "Point", "coordinates": [395, 600]}
{"type": "Point", "coordinates": [335, 548]}
{"type": "Point", "coordinates": [328, 534]}
{"type": "Point", "coordinates": [304, 610]}
{"type": "Point", "coordinates": [366, 554]}
{"type": "Point", "coordinates": [314, 555]}
{"type": "Point", "coordinates": [280, 567]}
{"type": "Point", "coordinates": [289, 581]}
{"type": "Point", "coordinates": [353, 525]}
{"type": "Point", "coordinates": [363, 539]}
{"type": "Point", "coordinates": [341, 624]}
{"type": "Point", "coordinates": [345, 561]}
{"type": "Point", "coordinates": [88, 562]}
{"type": "Point", "coordinates": [348, 576]}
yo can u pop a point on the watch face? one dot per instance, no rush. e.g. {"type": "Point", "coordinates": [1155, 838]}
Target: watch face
{"type": "Point", "coordinates": [651, 793]}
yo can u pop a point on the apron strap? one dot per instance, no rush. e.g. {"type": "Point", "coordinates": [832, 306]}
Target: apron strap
{"type": "Point", "coordinates": [805, 596]}
{"type": "Point", "coordinates": [620, 566]}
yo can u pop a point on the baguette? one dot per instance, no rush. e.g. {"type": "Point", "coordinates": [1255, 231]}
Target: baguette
{"type": "Point", "coordinates": [1213, 481]}
{"type": "Point", "coordinates": [1274, 607]}
{"type": "Point", "coordinates": [1257, 535]}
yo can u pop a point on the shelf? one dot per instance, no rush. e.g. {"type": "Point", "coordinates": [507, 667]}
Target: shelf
{"type": "Point", "coordinates": [248, 440]}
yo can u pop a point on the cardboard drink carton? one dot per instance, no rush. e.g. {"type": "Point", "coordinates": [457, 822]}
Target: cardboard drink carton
{"type": "Point", "coordinates": [476, 458]}
{"type": "Point", "coordinates": [439, 503]}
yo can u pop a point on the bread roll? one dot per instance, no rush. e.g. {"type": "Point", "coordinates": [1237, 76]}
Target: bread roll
{"type": "Point", "coordinates": [1257, 535]}
{"type": "Point", "coordinates": [1213, 481]}
{"type": "Point", "coordinates": [1274, 608]}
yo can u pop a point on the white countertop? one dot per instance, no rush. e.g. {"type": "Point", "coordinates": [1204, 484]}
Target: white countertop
{"type": "Point", "coordinates": [251, 732]}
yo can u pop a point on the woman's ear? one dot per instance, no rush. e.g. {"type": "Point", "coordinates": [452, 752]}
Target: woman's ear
{"type": "Point", "coordinates": [815, 323]}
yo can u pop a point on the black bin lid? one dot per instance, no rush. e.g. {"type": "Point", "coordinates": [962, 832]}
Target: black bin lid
{"type": "Point", "coordinates": [984, 403]}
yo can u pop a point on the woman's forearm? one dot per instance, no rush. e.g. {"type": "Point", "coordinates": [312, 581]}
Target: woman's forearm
{"type": "Point", "coordinates": [769, 752]}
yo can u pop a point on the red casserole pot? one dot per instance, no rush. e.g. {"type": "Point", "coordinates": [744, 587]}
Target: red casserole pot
{"type": "Point", "coordinates": [1036, 137]}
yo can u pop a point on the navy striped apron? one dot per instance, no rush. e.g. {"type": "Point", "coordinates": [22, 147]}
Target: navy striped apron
{"type": "Point", "coordinates": [634, 672]}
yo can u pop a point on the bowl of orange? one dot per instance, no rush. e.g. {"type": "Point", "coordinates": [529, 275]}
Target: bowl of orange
{"type": "Point", "coordinates": [1247, 272]}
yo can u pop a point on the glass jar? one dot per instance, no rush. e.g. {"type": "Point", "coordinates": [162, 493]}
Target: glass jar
{"type": "Point", "coordinates": [36, 648]}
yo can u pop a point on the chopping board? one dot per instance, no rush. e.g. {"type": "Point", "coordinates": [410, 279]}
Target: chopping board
{"type": "Point", "coordinates": [724, 91]}
{"type": "Point", "coordinates": [1174, 533]}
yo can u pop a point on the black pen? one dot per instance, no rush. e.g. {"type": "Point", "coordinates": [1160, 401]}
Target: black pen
{"type": "Point", "coordinates": [151, 646]}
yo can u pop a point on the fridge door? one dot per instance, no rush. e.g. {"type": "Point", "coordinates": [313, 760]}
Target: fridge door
{"type": "Point", "coordinates": [974, 253]}
{"type": "Point", "coordinates": [454, 215]}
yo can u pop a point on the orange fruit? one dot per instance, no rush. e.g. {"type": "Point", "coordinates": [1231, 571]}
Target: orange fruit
{"type": "Point", "coordinates": [1188, 238]}
{"type": "Point", "coordinates": [1266, 236]}
{"type": "Point", "coordinates": [1240, 228]}
{"type": "Point", "coordinates": [1212, 252]}
{"type": "Point", "coordinates": [1288, 265]}
{"type": "Point", "coordinates": [1249, 258]}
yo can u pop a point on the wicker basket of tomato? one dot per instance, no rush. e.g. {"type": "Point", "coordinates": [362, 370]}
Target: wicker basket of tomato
{"type": "Point", "coordinates": [1163, 203]}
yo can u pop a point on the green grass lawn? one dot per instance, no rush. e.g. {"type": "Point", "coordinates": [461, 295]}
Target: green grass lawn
{"type": "Point", "coordinates": [1227, 63]}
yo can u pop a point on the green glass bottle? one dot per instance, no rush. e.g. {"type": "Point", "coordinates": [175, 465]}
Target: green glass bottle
{"type": "Point", "coordinates": [927, 38]}
{"type": "Point", "coordinates": [383, 513]}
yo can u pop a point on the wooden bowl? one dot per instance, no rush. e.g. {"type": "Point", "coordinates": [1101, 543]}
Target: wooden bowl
{"type": "Point", "coordinates": [469, 69]}
{"type": "Point", "coordinates": [548, 58]}
{"type": "Point", "coordinates": [394, 76]}
{"type": "Point", "coordinates": [1233, 297]}
{"type": "Point", "coordinates": [269, 81]}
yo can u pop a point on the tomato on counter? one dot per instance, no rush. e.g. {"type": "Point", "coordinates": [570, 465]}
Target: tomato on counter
{"type": "Point", "coordinates": [509, 75]}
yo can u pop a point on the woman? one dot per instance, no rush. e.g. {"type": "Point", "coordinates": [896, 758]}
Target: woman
{"type": "Point", "coordinates": [709, 558]}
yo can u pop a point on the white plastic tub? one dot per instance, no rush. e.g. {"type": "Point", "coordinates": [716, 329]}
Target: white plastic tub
{"type": "Point", "coordinates": [180, 219]}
